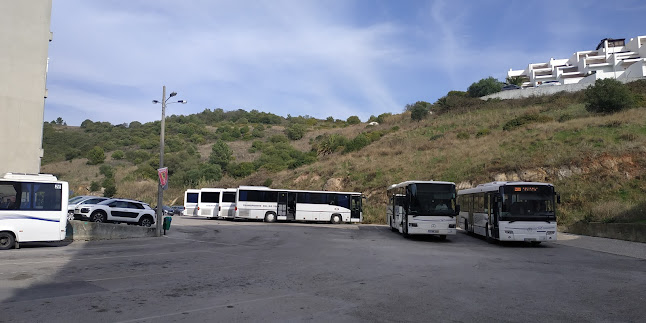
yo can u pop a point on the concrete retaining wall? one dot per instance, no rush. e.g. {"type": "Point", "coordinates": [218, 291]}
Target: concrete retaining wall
{"type": "Point", "coordinates": [81, 230]}
{"type": "Point", "coordinates": [546, 90]}
{"type": "Point", "coordinates": [621, 231]}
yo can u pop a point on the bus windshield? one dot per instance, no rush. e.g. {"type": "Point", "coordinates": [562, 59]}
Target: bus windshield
{"type": "Point", "coordinates": [528, 201]}
{"type": "Point", "coordinates": [431, 199]}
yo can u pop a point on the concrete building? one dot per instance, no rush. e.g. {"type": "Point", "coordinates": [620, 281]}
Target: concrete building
{"type": "Point", "coordinates": [612, 58]}
{"type": "Point", "coordinates": [24, 42]}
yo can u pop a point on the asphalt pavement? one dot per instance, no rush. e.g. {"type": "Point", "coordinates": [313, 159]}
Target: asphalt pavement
{"type": "Point", "coordinates": [221, 271]}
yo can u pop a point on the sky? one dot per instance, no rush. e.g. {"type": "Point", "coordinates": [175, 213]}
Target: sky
{"type": "Point", "coordinates": [109, 59]}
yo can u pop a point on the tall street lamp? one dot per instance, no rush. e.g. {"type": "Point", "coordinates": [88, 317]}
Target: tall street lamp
{"type": "Point", "coordinates": [160, 190]}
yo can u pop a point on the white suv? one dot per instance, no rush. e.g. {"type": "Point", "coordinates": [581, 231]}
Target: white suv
{"type": "Point", "coordinates": [82, 201]}
{"type": "Point", "coordinates": [117, 210]}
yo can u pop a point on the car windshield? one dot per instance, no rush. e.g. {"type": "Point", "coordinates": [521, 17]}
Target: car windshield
{"type": "Point", "coordinates": [528, 201]}
{"type": "Point", "coordinates": [431, 199]}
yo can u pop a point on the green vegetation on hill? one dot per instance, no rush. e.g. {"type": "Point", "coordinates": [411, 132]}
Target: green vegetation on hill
{"type": "Point", "coordinates": [596, 160]}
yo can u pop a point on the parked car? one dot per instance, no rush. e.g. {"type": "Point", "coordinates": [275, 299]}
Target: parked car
{"type": "Point", "coordinates": [117, 210]}
{"type": "Point", "coordinates": [178, 209]}
{"type": "Point", "coordinates": [550, 83]}
{"type": "Point", "coordinates": [508, 87]}
{"type": "Point", "coordinates": [82, 201]}
{"type": "Point", "coordinates": [167, 210]}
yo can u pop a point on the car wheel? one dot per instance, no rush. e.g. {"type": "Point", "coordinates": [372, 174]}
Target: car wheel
{"type": "Point", "coordinates": [7, 241]}
{"type": "Point", "coordinates": [99, 217]}
{"type": "Point", "coordinates": [270, 217]}
{"type": "Point", "coordinates": [146, 221]}
{"type": "Point", "coordinates": [70, 216]}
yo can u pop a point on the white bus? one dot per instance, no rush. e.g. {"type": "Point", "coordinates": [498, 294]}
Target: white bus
{"type": "Point", "coordinates": [32, 208]}
{"type": "Point", "coordinates": [228, 204]}
{"type": "Point", "coordinates": [208, 205]}
{"type": "Point", "coordinates": [422, 207]}
{"type": "Point", "coordinates": [257, 202]}
{"type": "Point", "coordinates": [510, 211]}
{"type": "Point", "coordinates": [191, 197]}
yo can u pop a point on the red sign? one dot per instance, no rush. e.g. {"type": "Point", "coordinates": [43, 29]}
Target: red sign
{"type": "Point", "coordinates": [163, 177]}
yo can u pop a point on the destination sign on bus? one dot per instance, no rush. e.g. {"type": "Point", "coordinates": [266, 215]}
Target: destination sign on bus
{"type": "Point", "coordinates": [526, 189]}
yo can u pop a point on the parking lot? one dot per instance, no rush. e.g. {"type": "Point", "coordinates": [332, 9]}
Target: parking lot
{"type": "Point", "coordinates": [205, 271]}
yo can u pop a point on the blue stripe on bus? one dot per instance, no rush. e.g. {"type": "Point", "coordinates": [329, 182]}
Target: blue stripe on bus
{"type": "Point", "coordinates": [24, 217]}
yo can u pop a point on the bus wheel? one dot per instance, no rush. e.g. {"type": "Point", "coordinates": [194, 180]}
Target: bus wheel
{"type": "Point", "coordinates": [270, 217]}
{"type": "Point", "coordinates": [405, 229]}
{"type": "Point", "coordinates": [99, 217]}
{"type": "Point", "coordinates": [7, 241]}
{"type": "Point", "coordinates": [466, 226]}
{"type": "Point", "coordinates": [487, 236]}
{"type": "Point", "coordinates": [336, 219]}
{"type": "Point", "coordinates": [393, 229]}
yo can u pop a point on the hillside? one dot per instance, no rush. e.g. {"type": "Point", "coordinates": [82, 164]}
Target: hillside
{"type": "Point", "coordinates": [596, 161]}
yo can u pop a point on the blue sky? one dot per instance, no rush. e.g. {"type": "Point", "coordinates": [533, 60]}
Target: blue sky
{"type": "Point", "coordinates": [109, 59]}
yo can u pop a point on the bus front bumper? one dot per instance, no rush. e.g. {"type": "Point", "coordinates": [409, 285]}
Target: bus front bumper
{"type": "Point", "coordinates": [429, 229]}
{"type": "Point", "coordinates": [511, 235]}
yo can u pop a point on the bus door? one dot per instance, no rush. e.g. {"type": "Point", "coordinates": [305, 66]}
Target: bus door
{"type": "Point", "coordinates": [355, 208]}
{"type": "Point", "coordinates": [291, 206]}
{"type": "Point", "coordinates": [493, 214]}
{"type": "Point", "coordinates": [282, 204]}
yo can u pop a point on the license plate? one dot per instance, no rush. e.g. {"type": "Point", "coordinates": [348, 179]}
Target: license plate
{"type": "Point", "coordinates": [530, 239]}
{"type": "Point", "coordinates": [433, 231]}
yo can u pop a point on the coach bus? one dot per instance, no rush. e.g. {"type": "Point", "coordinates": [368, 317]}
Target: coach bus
{"type": "Point", "coordinates": [191, 197]}
{"type": "Point", "coordinates": [32, 208]}
{"type": "Point", "coordinates": [257, 202]}
{"type": "Point", "coordinates": [422, 208]}
{"type": "Point", "coordinates": [510, 211]}
{"type": "Point", "coordinates": [227, 204]}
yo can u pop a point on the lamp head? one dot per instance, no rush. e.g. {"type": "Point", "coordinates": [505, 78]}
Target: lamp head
{"type": "Point", "coordinates": [182, 101]}
{"type": "Point", "coordinates": [155, 101]}
{"type": "Point", "coordinates": [172, 94]}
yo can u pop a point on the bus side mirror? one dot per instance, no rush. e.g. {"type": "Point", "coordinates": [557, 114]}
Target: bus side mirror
{"type": "Point", "coordinates": [558, 198]}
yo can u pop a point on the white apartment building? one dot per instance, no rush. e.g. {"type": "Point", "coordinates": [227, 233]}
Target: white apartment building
{"type": "Point", "coordinates": [24, 43]}
{"type": "Point", "coordinates": [613, 58]}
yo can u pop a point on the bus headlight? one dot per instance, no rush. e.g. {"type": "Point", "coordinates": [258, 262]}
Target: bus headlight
{"type": "Point", "coordinates": [413, 225]}
{"type": "Point", "coordinates": [551, 232]}
{"type": "Point", "coordinates": [452, 226]}
{"type": "Point", "coordinates": [509, 231]}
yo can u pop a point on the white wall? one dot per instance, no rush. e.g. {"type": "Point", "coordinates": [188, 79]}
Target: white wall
{"type": "Point", "coordinates": [24, 42]}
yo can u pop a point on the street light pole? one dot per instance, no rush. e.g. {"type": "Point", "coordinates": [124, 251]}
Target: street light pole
{"type": "Point", "coordinates": [160, 189]}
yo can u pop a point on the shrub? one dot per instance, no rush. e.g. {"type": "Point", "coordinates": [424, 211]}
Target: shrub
{"type": "Point", "coordinates": [419, 111]}
{"type": "Point", "coordinates": [106, 170]}
{"type": "Point", "coordinates": [525, 119]}
{"type": "Point", "coordinates": [267, 182]}
{"type": "Point", "coordinates": [278, 138]}
{"type": "Point", "coordinates": [353, 120]}
{"type": "Point", "coordinates": [118, 154]}
{"type": "Point", "coordinates": [565, 117]}
{"type": "Point", "coordinates": [463, 135]}
{"type": "Point", "coordinates": [95, 186]}
{"type": "Point", "coordinates": [483, 132]}
{"type": "Point", "coordinates": [240, 170]}
{"type": "Point", "coordinates": [484, 87]}
{"type": "Point", "coordinates": [360, 141]}
{"type": "Point", "coordinates": [96, 156]}
{"type": "Point", "coordinates": [110, 191]}
{"type": "Point", "coordinates": [608, 96]}
{"type": "Point", "coordinates": [295, 131]}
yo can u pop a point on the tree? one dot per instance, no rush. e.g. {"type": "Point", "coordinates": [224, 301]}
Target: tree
{"type": "Point", "coordinates": [419, 110]}
{"type": "Point", "coordinates": [516, 80]}
{"type": "Point", "coordinates": [353, 120]}
{"type": "Point", "coordinates": [608, 96]}
{"type": "Point", "coordinates": [96, 156]}
{"type": "Point", "coordinates": [95, 186]}
{"type": "Point", "coordinates": [295, 131]}
{"type": "Point", "coordinates": [59, 121]}
{"type": "Point", "coordinates": [221, 154]}
{"type": "Point", "coordinates": [484, 87]}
